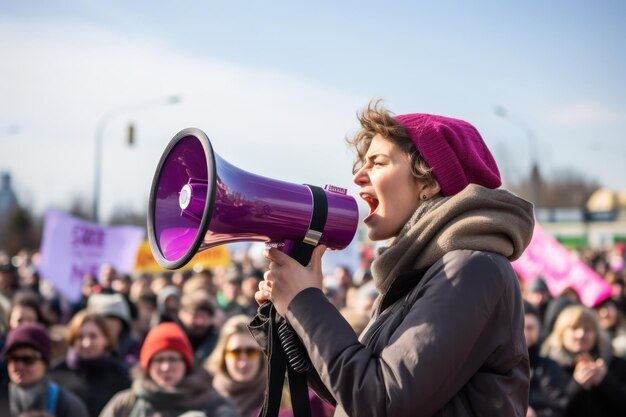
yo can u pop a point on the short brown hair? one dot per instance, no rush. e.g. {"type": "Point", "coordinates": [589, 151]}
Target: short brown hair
{"type": "Point", "coordinates": [375, 119]}
{"type": "Point", "coordinates": [83, 317]}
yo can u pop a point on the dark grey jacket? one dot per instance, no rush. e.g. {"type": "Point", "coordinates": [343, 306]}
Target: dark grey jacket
{"type": "Point", "coordinates": [447, 341]}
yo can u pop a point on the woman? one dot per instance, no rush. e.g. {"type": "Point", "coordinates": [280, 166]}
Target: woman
{"type": "Point", "coordinates": [89, 370]}
{"type": "Point", "coordinates": [166, 383]}
{"type": "Point", "coordinates": [239, 367]}
{"type": "Point", "coordinates": [27, 353]}
{"type": "Point", "coordinates": [25, 308]}
{"type": "Point", "coordinates": [613, 322]}
{"type": "Point", "coordinates": [597, 385]}
{"type": "Point", "coordinates": [446, 335]}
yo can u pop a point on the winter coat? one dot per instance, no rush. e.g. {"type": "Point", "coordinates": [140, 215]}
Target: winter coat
{"type": "Point", "coordinates": [446, 337]}
{"type": "Point", "coordinates": [147, 399]}
{"type": "Point", "coordinates": [547, 385]}
{"type": "Point", "coordinates": [15, 400]}
{"type": "Point", "coordinates": [607, 399]}
{"type": "Point", "coordinates": [94, 381]}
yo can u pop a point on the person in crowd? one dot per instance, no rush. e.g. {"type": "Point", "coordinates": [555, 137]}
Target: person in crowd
{"type": "Point", "coordinates": [106, 276]}
{"type": "Point", "coordinates": [538, 294]}
{"type": "Point", "coordinates": [168, 304]}
{"type": "Point", "coordinates": [114, 308]}
{"type": "Point", "coordinates": [121, 285]}
{"type": "Point", "coordinates": [568, 297]}
{"type": "Point", "coordinates": [196, 316]}
{"type": "Point", "coordinates": [27, 353]}
{"type": "Point", "coordinates": [447, 330]}
{"type": "Point", "coordinates": [89, 286]}
{"type": "Point", "coordinates": [238, 367]}
{"type": "Point", "coordinates": [160, 281]}
{"type": "Point", "coordinates": [619, 290]}
{"type": "Point", "coordinates": [201, 281]}
{"type": "Point", "coordinates": [249, 286]}
{"type": "Point", "coordinates": [228, 295]}
{"type": "Point", "coordinates": [166, 382]}
{"type": "Point", "coordinates": [146, 310]}
{"type": "Point", "coordinates": [613, 322]}
{"type": "Point", "coordinates": [597, 384]}
{"type": "Point", "coordinates": [9, 282]}
{"type": "Point", "coordinates": [25, 308]}
{"type": "Point", "coordinates": [547, 396]}
{"type": "Point", "coordinates": [89, 369]}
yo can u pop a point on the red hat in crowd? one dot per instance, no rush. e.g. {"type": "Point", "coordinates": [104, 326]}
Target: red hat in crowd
{"type": "Point", "coordinates": [162, 337]}
{"type": "Point", "coordinates": [454, 150]}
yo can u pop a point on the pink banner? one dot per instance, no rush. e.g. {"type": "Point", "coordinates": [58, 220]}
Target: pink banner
{"type": "Point", "coordinates": [560, 269]}
{"type": "Point", "coordinates": [72, 248]}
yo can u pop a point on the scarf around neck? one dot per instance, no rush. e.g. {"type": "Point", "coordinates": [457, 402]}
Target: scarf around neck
{"type": "Point", "coordinates": [476, 218]}
{"type": "Point", "coordinates": [247, 396]}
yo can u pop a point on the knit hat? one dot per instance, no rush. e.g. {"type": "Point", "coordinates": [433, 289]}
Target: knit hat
{"type": "Point", "coordinates": [29, 334]}
{"type": "Point", "coordinates": [110, 305]}
{"type": "Point", "coordinates": [453, 149]}
{"type": "Point", "coordinates": [166, 336]}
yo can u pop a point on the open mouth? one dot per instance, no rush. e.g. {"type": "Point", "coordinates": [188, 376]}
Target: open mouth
{"type": "Point", "coordinates": [371, 202]}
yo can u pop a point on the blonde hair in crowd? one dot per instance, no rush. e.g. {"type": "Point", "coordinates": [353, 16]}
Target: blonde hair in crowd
{"type": "Point", "coordinates": [215, 363]}
{"type": "Point", "coordinates": [572, 317]}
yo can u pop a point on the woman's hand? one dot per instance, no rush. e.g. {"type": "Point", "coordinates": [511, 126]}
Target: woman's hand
{"type": "Point", "coordinates": [286, 278]}
{"type": "Point", "coordinates": [584, 374]}
{"type": "Point", "coordinates": [600, 371]}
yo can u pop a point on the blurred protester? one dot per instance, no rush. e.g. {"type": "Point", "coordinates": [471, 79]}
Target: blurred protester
{"type": "Point", "coordinates": [365, 297]}
{"type": "Point", "coordinates": [568, 297]}
{"type": "Point", "coordinates": [121, 285]}
{"type": "Point", "coordinates": [146, 310]}
{"type": "Point", "coordinates": [227, 296]}
{"type": "Point", "coordinates": [168, 304]}
{"type": "Point", "coordinates": [106, 276]}
{"type": "Point", "coordinates": [9, 282]}
{"type": "Point", "coordinates": [619, 290]}
{"type": "Point", "coordinates": [166, 383]}
{"type": "Point", "coordinates": [547, 396]}
{"type": "Point", "coordinates": [89, 370]}
{"type": "Point", "coordinates": [27, 353]}
{"type": "Point", "coordinates": [238, 367]}
{"type": "Point", "coordinates": [25, 309]}
{"type": "Point", "coordinates": [201, 281]}
{"type": "Point", "coordinates": [89, 286]}
{"type": "Point", "coordinates": [114, 308]}
{"type": "Point", "coordinates": [612, 321]}
{"type": "Point", "coordinates": [249, 286]}
{"type": "Point", "coordinates": [160, 281]}
{"type": "Point", "coordinates": [196, 316]}
{"type": "Point", "coordinates": [597, 385]}
{"type": "Point", "coordinates": [538, 294]}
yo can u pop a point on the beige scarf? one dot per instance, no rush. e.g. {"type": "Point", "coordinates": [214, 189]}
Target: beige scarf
{"type": "Point", "coordinates": [477, 218]}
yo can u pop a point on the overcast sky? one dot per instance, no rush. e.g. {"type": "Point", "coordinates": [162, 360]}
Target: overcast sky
{"type": "Point", "coordinates": [276, 85]}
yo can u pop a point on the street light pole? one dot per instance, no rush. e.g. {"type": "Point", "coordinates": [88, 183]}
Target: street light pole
{"type": "Point", "coordinates": [102, 123]}
{"type": "Point", "coordinates": [535, 177]}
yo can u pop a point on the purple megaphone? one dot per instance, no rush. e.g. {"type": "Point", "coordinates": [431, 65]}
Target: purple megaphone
{"type": "Point", "coordinates": [198, 200]}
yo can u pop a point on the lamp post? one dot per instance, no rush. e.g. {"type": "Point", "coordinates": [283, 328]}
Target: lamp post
{"type": "Point", "coordinates": [102, 123]}
{"type": "Point", "coordinates": [535, 178]}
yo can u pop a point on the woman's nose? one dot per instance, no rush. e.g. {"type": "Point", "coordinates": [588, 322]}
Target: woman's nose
{"type": "Point", "coordinates": [360, 177]}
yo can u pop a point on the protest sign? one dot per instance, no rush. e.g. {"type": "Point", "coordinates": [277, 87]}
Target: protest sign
{"type": "Point", "coordinates": [72, 248]}
{"type": "Point", "coordinates": [560, 269]}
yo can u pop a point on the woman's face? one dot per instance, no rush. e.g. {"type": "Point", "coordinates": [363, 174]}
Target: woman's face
{"type": "Point", "coordinates": [22, 314]}
{"type": "Point", "coordinates": [579, 339]}
{"type": "Point", "coordinates": [607, 316]}
{"type": "Point", "coordinates": [388, 187]}
{"type": "Point", "coordinates": [167, 368]}
{"type": "Point", "coordinates": [25, 366]}
{"type": "Point", "coordinates": [531, 329]}
{"type": "Point", "coordinates": [242, 357]}
{"type": "Point", "coordinates": [90, 341]}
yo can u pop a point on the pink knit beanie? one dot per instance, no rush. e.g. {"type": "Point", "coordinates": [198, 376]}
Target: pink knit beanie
{"type": "Point", "coordinates": [454, 150]}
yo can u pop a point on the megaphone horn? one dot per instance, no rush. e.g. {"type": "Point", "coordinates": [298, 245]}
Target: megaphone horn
{"type": "Point", "coordinates": [198, 200]}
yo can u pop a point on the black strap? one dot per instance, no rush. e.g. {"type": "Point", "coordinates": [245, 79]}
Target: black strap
{"type": "Point", "coordinates": [277, 358]}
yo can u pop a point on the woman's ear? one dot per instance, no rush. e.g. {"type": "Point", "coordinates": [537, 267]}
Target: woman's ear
{"type": "Point", "coordinates": [429, 189]}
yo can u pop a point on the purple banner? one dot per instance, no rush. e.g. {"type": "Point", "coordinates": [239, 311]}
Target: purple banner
{"type": "Point", "coordinates": [72, 248]}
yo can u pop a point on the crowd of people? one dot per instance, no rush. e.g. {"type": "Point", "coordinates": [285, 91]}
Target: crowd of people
{"type": "Point", "coordinates": [173, 343]}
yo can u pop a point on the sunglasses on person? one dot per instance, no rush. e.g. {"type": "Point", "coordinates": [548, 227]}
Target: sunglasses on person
{"type": "Point", "coordinates": [25, 359]}
{"type": "Point", "coordinates": [251, 353]}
